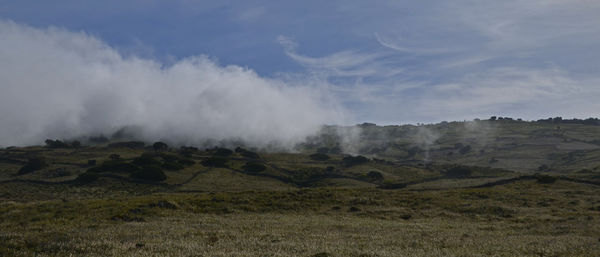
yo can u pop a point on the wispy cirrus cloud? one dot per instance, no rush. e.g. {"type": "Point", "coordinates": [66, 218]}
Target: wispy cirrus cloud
{"type": "Point", "coordinates": [465, 59]}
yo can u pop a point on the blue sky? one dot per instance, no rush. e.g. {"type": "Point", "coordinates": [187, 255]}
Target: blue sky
{"type": "Point", "coordinates": [387, 62]}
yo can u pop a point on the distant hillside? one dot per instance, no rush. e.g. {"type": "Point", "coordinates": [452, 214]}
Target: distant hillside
{"type": "Point", "coordinates": [551, 145]}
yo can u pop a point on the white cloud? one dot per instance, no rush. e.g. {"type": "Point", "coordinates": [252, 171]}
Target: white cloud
{"type": "Point", "coordinates": [56, 83]}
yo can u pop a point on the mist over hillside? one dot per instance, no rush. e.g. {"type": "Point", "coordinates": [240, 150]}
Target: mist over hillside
{"type": "Point", "coordinates": [62, 84]}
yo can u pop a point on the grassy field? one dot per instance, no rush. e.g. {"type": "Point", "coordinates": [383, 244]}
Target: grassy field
{"type": "Point", "coordinates": [136, 201]}
{"type": "Point", "coordinates": [524, 218]}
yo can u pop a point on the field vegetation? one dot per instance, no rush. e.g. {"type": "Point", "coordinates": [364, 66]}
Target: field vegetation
{"type": "Point", "coordinates": [508, 188]}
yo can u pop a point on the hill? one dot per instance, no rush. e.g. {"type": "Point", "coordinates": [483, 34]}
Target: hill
{"type": "Point", "coordinates": [450, 189]}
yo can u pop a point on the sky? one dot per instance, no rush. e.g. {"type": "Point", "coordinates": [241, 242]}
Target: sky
{"type": "Point", "coordinates": [386, 62]}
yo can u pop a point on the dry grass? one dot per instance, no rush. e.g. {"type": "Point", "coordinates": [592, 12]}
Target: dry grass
{"type": "Point", "coordinates": [184, 234]}
{"type": "Point", "coordinates": [520, 219]}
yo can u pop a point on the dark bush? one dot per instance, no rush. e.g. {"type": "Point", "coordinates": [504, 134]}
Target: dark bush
{"type": "Point", "coordinates": [322, 254]}
{"type": "Point", "coordinates": [164, 205]}
{"type": "Point", "coordinates": [355, 160]}
{"type": "Point", "coordinates": [114, 156]}
{"type": "Point", "coordinates": [543, 167]}
{"type": "Point", "coordinates": [353, 209]}
{"type": "Point", "coordinates": [247, 153]}
{"type": "Point", "coordinates": [458, 172]}
{"type": "Point", "coordinates": [160, 146]}
{"type": "Point", "coordinates": [86, 178]}
{"type": "Point", "coordinates": [545, 179]}
{"type": "Point", "coordinates": [150, 173]}
{"type": "Point", "coordinates": [254, 167]}
{"type": "Point", "coordinates": [215, 162]}
{"type": "Point", "coordinates": [319, 157]}
{"type": "Point", "coordinates": [128, 144]}
{"type": "Point", "coordinates": [375, 175]}
{"type": "Point", "coordinates": [187, 150]}
{"type": "Point", "coordinates": [91, 163]}
{"type": "Point", "coordinates": [56, 144]}
{"type": "Point", "coordinates": [222, 151]}
{"type": "Point", "coordinates": [32, 165]}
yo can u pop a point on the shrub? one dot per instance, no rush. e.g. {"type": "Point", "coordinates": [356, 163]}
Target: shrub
{"type": "Point", "coordinates": [319, 157]}
{"type": "Point", "coordinates": [56, 144]}
{"type": "Point", "coordinates": [375, 175]}
{"type": "Point", "coordinates": [187, 150]}
{"type": "Point", "coordinates": [247, 153]}
{"type": "Point", "coordinates": [32, 165]}
{"type": "Point", "coordinates": [215, 162]}
{"type": "Point", "coordinates": [86, 178]}
{"type": "Point", "coordinates": [545, 179]}
{"type": "Point", "coordinates": [222, 151]}
{"type": "Point", "coordinates": [354, 160]}
{"type": "Point", "coordinates": [321, 254]}
{"type": "Point", "coordinates": [160, 146]}
{"type": "Point", "coordinates": [254, 167]}
{"type": "Point", "coordinates": [150, 173]}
